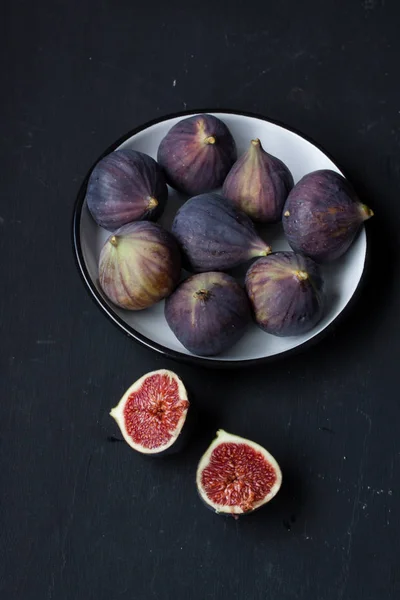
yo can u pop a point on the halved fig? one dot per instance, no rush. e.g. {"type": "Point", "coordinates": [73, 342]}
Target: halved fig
{"type": "Point", "coordinates": [152, 412]}
{"type": "Point", "coordinates": [236, 476]}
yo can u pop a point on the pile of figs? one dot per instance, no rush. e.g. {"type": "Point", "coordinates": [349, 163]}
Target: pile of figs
{"type": "Point", "coordinates": [215, 230]}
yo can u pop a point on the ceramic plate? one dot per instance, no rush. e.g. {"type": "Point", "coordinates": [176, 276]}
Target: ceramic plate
{"type": "Point", "coordinates": [149, 326]}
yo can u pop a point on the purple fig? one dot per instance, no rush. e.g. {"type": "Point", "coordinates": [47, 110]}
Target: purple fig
{"type": "Point", "coordinates": [139, 265]}
{"type": "Point", "coordinates": [196, 154]}
{"type": "Point", "coordinates": [322, 215]}
{"type": "Point", "coordinates": [286, 293]}
{"type": "Point", "coordinates": [208, 313]}
{"type": "Point", "coordinates": [126, 186]}
{"type": "Point", "coordinates": [259, 184]}
{"type": "Point", "coordinates": [214, 235]}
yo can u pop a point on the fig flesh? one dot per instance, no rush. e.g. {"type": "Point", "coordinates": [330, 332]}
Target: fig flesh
{"type": "Point", "coordinates": [208, 313]}
{"type": "Point", "coordinates": [126, 186]}
{"type": "Point", "coordinates": [286, 293]}
{"type": "Point", "coordinates": [259, 184]}
{"type": "Point", "coordinates": [152, 412]}
{"type": "Point", "coordinates": [322, 215]}
{"type": "Point", "coordinates": [139, 265]}
{"type": "Point", "coordinates": [236, 476]}
{"type": "Point", "coordinates": [214, 235]}
{"type": "Point", "coordinates": [197, 153]}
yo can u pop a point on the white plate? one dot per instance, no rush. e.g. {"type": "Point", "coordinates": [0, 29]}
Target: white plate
{"type": "Point", "coordinates": [149, 326]}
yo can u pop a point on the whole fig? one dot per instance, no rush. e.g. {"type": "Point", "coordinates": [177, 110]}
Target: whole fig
{"type": "Point", "coordinates": [259, 184]}
{"type": "Point", "coordinates": [197, 153]}
{"type": "Point", "coordinates": [322, 215]}
{"type": "Point", "coordinates": [214, 235]}
{"type": "Point", "coordinates": [286, 293]}
{"type": "Point", "coordinates": [139, 265]}
{"type": "Point", "coordinates": [126, 186]}
{"type": "Point", "coordinates": [208, 313]}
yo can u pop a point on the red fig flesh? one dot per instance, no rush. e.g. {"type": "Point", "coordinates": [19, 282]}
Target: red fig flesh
{"type": "Point", "coordinates": [236, 476]}
{"type": "Point", "coordinates": [152, 412]}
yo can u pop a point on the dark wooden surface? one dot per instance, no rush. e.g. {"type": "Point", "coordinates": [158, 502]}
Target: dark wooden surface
{"type": "Point", "coordinates": [84, 518]}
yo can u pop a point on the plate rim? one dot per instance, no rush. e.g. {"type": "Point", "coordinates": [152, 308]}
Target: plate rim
{"type": "Point", "coordinates": [144, 340]}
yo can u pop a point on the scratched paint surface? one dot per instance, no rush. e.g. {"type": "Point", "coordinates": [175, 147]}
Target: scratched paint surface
{"type": "Point", "coordinates": [82, 517]}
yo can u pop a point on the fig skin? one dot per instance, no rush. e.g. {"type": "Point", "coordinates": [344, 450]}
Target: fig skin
{"type": "Point", "coordinates": [126, 186]}
{"type": "Point", "coordinates": [259, 184]}
{"type": "Point", "coordinates": [197, 153]}
{"type": "Point", "coordinates": [214, 235]}
{"type": "Point", "coordinates": [322, 215]}
{"type": "Point", "coordinates": [236, 476]}
{"type": "Point", "coordinates": [139, 265]}
{"type": "Point", "coordinates": [286, 293]}
{"type": "Point", "coordinates": [208, 313]}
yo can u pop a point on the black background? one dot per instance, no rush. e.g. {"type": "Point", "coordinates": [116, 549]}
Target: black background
{"type": "Point", "coordinates": [82, 517]}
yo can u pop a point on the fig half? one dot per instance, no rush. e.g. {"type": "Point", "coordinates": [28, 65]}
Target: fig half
{"type": "Point", "coordinates": [236, 476]}
{"type": "Point", "coordinates": [152, 412]}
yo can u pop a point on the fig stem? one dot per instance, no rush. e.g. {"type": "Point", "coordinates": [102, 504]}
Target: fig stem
{"type": "Point", "coordinates": [210, 140]}
{"type": "Point", "coordinates": [366, 212]}
{"type": "Point", "coordinates": [286, 213]}
{"type": "Point", "coordinates": [153, 202]}
{"type": "Point", "coordinates": [256, 142]}
{"type": "Point", "coordinates": [266, 251]}
{"type": "Point", "coordinates": [113, 240]}
{"type": "Point", "coordinates": [202, 295]}
{"type": "Point", "coordinates": [301, 275]}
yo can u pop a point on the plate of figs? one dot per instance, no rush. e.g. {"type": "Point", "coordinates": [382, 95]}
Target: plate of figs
{"type": "Point", "coordinates": [219, 238]}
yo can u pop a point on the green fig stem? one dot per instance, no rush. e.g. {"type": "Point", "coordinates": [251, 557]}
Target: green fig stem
{"type": "Point", "coordinates": [256, 142]}
{"type": "Point", "coordinates": [266, 251]}
{"type": "Point", "coordinates": [301, 275]}
{"type": "Point", "coordinates": [210, 140]}
{"type": "Point", "coordinates": [153, 202]}
{"type": "Point", "coordinates": [202, 295]}
{"type": "Point", "coordinates": [113, 240]}
{"type": "Point", "coordinates": [366, 212]}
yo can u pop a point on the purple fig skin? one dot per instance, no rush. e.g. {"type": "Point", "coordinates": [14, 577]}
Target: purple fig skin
{"type": "Point", "coordinates": [126, 186]}
{"type": "Point", "coordinates": [196, 154]}
{"type": "Point", "coordinates": [286, 293]}
{"type": "Point", "coordinates": [214, 235]}
{"type": "Point", "coordinates": [208, 313]}
{"type": "Point", "coordinates": [139, 265]}
{"type": "Point", "coordinates": [322, 215]}
{"type": "Point", "coordinates": [259, 184]}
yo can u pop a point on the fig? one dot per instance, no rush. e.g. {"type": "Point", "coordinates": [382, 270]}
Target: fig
{"type": "Point", "coordinates": [214, 235]}
{"type": "Point", "coordinates": [286, 293]}
{"type": "Point", "coordinates": [322, 215]}
{"type": "Point", "coordinates": [259, 184]}
{"type": "Point", "coordinates": [196, 154]}
{"type": "Point", "coordinates": [126, 186]}
{"type": "Point", "coordinates": [208, 313]}
{"type": "Point", "coordinates": [236, 476]}
{"type": "Point", "coordinates": [152, 412]}
{"type": "Point", "coordinates": [139, 265]}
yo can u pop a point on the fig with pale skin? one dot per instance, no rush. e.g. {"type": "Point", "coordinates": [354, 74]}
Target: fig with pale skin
{"type": "Point", "coordinates": [139, 265]}
{"type": "Point", "coordinates": [208, 313]}
{"type": "Point", "coordinates": [152, 413]}
{"type": "Point", "coordinates": [126, 186]}
{"type": "Point", "coordinates": [197, 153]}
{"type": "Point", "coordinates": [214, 235]}
{"type": "Point", "coordinates": [322, 215]}
{"type": "Point", "coordinates": [286, 293]}
{"type": "Point", "coordinates": [259, 184]}
{"type": "Point", "coordinates": [237, 476]}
